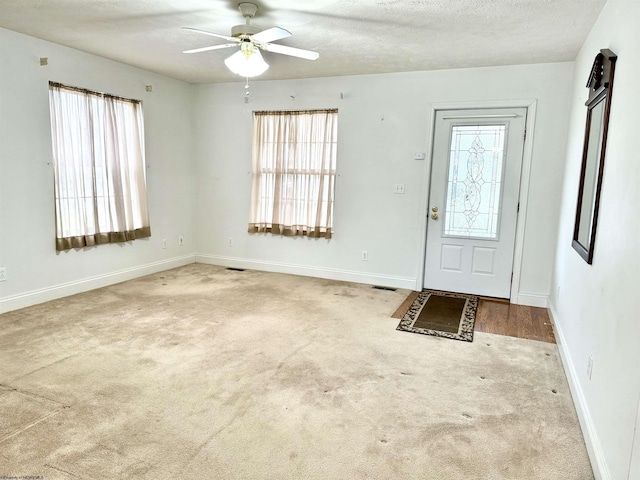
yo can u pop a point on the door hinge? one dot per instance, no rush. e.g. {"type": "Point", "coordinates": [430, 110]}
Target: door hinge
{"type": "Point", "coordinates": [518, 208]}
{"type": "Point", "coordinates": [525, 133]}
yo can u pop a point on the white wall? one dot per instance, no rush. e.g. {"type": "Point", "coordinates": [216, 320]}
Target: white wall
{"type": "Point", "coordinates": [634, 469]}
{"type": "Point", "coordinates": [35, 272]}
{"type": "Point", "coordinates": [383, 121]}
{"type": "Point", "coordinates": [596, 310]}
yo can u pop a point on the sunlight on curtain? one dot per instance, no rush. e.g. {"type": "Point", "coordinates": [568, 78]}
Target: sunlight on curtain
{"type": "Point", "coordinates": [294, 171]}
{"type": "Point", "coordinates": [98, 160]}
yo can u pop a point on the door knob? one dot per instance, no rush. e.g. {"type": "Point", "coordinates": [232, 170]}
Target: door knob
{"type": "Point", "coordinates": [434, 209]}
{"type": "Point", "coordinates": [434, 216]}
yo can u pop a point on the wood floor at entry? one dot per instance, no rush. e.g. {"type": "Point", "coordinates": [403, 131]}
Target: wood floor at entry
{"type": "Point", "coordinates": [521, 321]}
{"type": "Point", "coordinates": [503, 318]}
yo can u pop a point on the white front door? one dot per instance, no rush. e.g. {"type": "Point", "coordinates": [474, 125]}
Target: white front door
{"type": "Point", "coordinates": [473, 200]}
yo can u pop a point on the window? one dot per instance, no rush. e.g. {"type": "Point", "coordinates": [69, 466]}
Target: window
{"type": "Point", "coordinates": [98, 163]}
{"type": "Point", "coordinates": [294, 171]}
{"type": "Point", "coordinates": [474, 181]}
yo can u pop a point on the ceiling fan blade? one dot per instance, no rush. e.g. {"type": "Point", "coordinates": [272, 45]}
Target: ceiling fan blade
{"type": "Point", "coordinates": [270, 35]}
{"type": "Point", "coordinates": [226, 37]}
{"type": "Point", "coordinates": [214, 47]}
{"type": "Point", "coordinates": [294, 52]}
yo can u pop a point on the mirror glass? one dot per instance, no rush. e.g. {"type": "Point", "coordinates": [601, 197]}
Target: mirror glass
{"type": "Point", "coordinates": [592, 162]}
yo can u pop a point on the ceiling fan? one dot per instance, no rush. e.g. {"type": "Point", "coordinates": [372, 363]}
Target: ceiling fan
{"type": "Point", "coordinates": [248, 61]}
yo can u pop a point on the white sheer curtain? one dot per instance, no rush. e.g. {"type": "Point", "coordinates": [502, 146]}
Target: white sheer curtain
{"type": "Point", "coordinates": [98, 159]}
{"type": "Point", "coordinates": [294, 171]}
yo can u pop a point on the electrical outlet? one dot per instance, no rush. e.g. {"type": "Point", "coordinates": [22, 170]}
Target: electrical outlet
{"type": "Point", "coordinates": [164, 243]}
{"type": "Point", "coordinates": [180, 240]}
{"type": "Point", "coordinates": [365, 255]}
{"type": "Point", "coordinates": [398, 188]}
{"type": "Point", "coordinates": [3, 274]}
{"type": "Point", "coordinates": [589, 366]}
{"type": "Point", "coordinates": [230, 243]}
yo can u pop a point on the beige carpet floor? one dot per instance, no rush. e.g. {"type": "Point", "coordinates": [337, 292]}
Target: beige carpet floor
{"type": "Point", "coordinates": [206, 373]}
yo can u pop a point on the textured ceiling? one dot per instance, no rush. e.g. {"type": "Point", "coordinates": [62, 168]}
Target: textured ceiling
{"type": "Point", "coordinates": [352, 36]}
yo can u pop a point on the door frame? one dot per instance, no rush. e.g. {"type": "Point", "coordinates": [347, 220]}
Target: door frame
{"type": "Point", "coordinates": [527, 155]}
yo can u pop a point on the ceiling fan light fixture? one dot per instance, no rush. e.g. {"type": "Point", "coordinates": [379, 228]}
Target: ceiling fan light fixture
{"type": "Point", "coordinates": [248, 61]}
{"type": "Point", "coordinates": [248, 66]}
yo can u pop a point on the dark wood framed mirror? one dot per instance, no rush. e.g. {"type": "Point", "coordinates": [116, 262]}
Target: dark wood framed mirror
{"type": "Point", "coordinates": [600, 86]}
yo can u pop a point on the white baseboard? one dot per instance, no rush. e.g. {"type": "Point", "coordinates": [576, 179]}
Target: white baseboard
{"type": "Point", "coordinates": [34, 297]}
{"type": "Point", "coordinates": [309, 271]}
{"type": "Point", "coordinates": [531, 300]}
{"type": "Point", "coordinates": [594, 447]}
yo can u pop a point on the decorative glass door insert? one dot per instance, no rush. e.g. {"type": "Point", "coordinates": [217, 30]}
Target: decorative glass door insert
{"type": "Point", "coordinates": [474, 181]}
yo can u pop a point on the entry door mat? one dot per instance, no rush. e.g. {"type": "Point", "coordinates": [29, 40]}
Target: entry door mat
{"type": "Point", "coordinates": [441, 314]}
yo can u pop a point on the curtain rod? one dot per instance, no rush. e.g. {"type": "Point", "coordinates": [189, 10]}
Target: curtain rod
{"type": "Point", "coordinates": [91, 92]}
{"type": "Point", "coordinates": [295, 112]}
